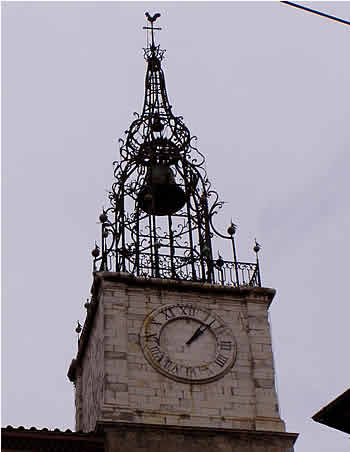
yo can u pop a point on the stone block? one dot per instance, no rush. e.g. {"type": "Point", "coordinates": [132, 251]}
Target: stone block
{"type": "Point", "coordinates": [109, 396]}
{"type": "Point", "coordinates": [270, 426]}
{"type": "Point", "coordinates": [137, 317]}
{"type": "Point", "coordinates": [263, 373]}
{"type": "Point", "coordinates": [137, 400]}
{"type": "Point", "coordinates": [239, 410]}
{"type": "Point", "coordinates": [266, 409]}
{"type": "Point", "coordinates": [144, 391]}
{"type": "Point", "coordinates": [133, 347]}
{"type": "Point", "coordinates": [136, 310]}
{"type": "Point", "coordinates": [266, 383]}
{"type": "Point", "coordinates": [122, 398]}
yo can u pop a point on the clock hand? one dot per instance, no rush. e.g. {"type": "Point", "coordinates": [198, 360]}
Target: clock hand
{"type": "Point", "coordinates": [200, 330]}
{"type": "Point", "coordinates": [197, 333]}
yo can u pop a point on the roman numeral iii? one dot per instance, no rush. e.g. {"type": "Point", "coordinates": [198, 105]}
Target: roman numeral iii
{"type": "Point", "coordinates": [226, 345]}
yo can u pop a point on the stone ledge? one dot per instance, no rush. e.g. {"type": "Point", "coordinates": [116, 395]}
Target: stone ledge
{"type": "Point", "coordinates": [181, 285]}
{"type": "Point", "coordinates": [202, 432]}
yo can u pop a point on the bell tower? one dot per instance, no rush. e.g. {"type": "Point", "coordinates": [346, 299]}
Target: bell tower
{"type": "Point", "coordinates": [175, 351]}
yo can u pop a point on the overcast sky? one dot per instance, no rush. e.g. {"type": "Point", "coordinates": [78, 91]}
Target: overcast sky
{"type": "Point", "coordinates": [265, 87]}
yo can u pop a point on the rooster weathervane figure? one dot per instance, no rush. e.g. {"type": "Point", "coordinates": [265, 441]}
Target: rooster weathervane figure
{"type": "Point", "coordinates": [152, 19]}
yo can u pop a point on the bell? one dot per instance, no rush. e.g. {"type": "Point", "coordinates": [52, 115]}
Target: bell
{"type": "Point", "coordinates": [161, 195]}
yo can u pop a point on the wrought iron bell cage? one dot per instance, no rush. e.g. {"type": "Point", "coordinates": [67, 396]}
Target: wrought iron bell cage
{"type": "Point", "coordinates": [160, 219]}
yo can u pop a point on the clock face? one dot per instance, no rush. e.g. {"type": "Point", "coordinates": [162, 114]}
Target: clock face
{"type": "Point", "coordinates": [188, 343]}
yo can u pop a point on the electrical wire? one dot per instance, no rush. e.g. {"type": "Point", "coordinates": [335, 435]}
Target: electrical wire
{"type": "Point", "coordinates": [316, 12]}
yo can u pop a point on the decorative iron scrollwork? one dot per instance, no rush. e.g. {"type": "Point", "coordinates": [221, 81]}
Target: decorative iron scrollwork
{"type": "Point", "coordinates": [160, 219]}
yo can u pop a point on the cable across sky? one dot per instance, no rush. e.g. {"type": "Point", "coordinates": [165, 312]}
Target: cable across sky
{"type": "Point", "coordinates": [316, 12]}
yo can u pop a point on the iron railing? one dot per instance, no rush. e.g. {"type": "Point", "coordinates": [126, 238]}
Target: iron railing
{"type": "Point", "coordinates": [220, 272]}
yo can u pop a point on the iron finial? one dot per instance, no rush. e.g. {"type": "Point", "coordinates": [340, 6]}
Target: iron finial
{"type": "Point", "coordinates": [220, 262]}
{"type": "Point", "coordinates": [78, 328]}
{"type": "Point", "coordinates": [231, 230]}
{"type": "Point", "coordinates": [96, 251]}
{"type": "Point", "coordinates": [257, 247]}
{"type": "Point", "coordinates": [103, 217]}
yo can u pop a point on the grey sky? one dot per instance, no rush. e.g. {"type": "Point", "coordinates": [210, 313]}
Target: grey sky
{"type": "Point", "coordinates": [265, 87]}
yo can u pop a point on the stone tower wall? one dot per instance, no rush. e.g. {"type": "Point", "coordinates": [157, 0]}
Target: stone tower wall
{"type": "Point", "coordinates": [90, 375]}
{"type": "Point", "coordinates": [118, 384]}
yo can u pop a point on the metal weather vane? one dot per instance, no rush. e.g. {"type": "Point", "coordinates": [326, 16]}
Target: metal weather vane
{"type": "Point", "coordinates": [162, 207]}
{"type": "Point", "coordinates": [152, 28]}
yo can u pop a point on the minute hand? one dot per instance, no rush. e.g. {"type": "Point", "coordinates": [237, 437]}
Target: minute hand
{"type": "Point", "coordinates": [200, 330]}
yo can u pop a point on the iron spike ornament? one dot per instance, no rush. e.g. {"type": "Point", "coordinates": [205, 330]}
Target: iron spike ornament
{"type": "Point", "coordinates": [160, 220]}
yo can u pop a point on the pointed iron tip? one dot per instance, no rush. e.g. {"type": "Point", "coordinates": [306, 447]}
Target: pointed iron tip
{"type": "Point", "coordinates": [257, 247]}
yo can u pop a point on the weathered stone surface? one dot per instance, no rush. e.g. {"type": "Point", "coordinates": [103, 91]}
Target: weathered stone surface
{"type": "Point", "coordinates": [117, 383]}
{"type": "Point", "coordinates": [89, 385]}
{"type": "Point", "coordinates": [145, 438]}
